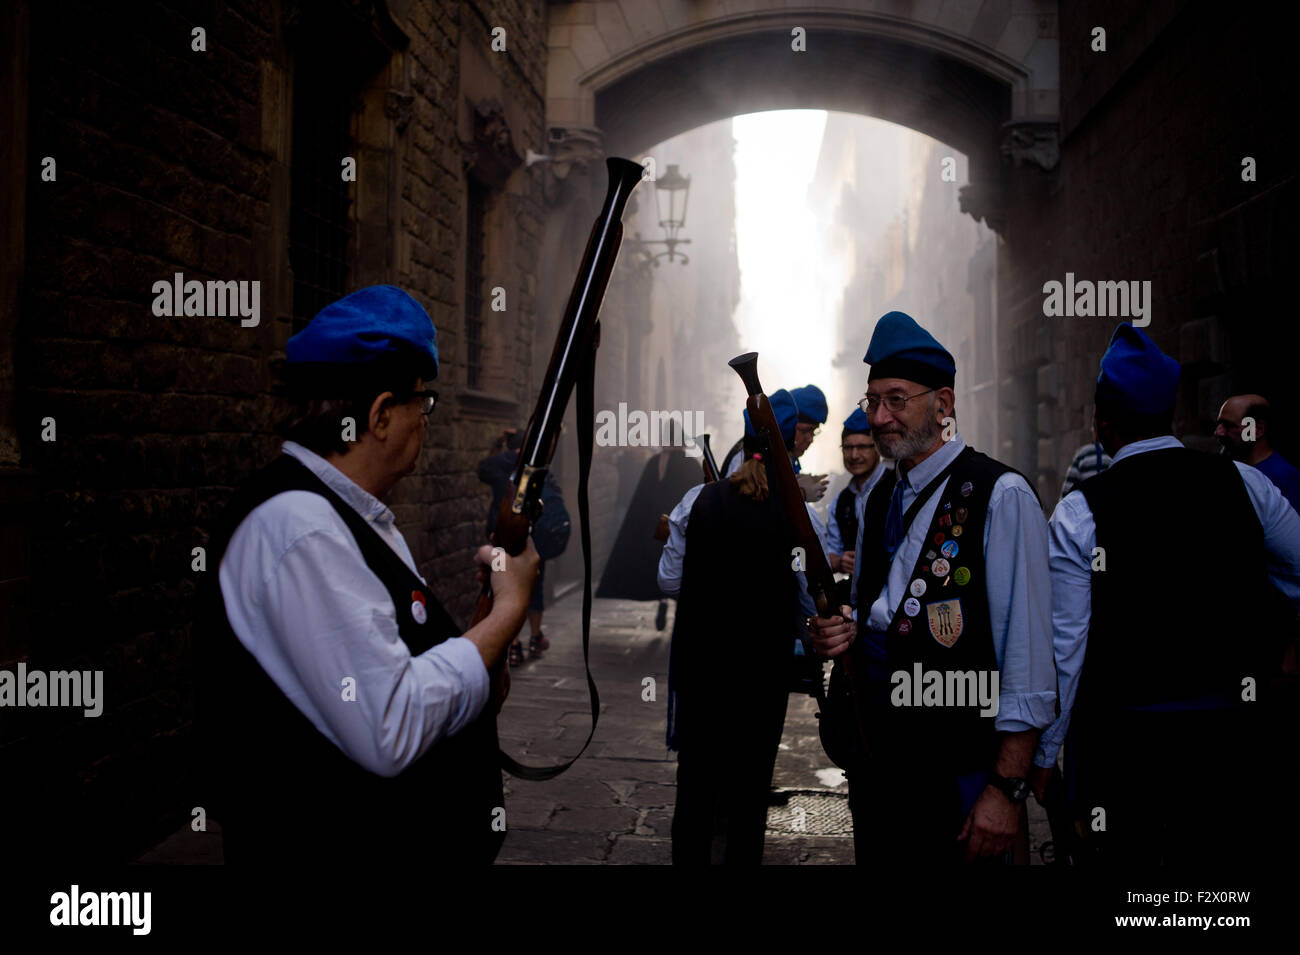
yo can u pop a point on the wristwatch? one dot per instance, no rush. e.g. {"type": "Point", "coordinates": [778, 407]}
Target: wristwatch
{"type": "Point", "coordinates": [1016, 788]}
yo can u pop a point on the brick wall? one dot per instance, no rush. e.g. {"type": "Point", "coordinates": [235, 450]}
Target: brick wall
{"type": "Point", "coordinates": [175, 160]}
{"type": "Point", "coordinates": [1149, 187]}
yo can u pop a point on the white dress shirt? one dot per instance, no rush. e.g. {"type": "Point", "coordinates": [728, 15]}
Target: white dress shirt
{"type": "Point", "coordinates": [301, 599]}
{"type": "Point", "coordinates": [737, 460]}
{"type": "Point", "coordinates": [1017, 582]}
{"type": "Point", "coordinates": [1073, 535]}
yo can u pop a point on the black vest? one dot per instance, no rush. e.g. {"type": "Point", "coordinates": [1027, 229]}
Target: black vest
{"type": "Point", "coordinates": [282, 791]}
{"type": "Point", "coordinates": [949, 628]}
{"type": "Point", "coordinates": [845, 516]}
{"type": "Point", "coordinates": [1181, 610]}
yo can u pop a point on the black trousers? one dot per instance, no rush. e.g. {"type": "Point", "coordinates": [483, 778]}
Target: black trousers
{"type": "Point", "coordinates": [724, 778]}
{"type": "Point", "coordinates": [1179, 789]}
{"type": "Point", "coordinates": [902, 820]}
{"type": "Point", "coordinates": [907, 808]}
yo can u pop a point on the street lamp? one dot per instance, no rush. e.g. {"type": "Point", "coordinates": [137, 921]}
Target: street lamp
{"type": "Point", "coordinates": [671, 191]}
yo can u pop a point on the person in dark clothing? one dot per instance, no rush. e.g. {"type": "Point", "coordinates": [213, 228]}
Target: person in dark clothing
{"type": "Point", "coordinates": [728, 696]}
{"type": "Point", "coordinates": [1171, 756]}
{"type": "Point", "coordinates": [1253, 445]}
{"type": "Point", "coordinates": [495, 471]}
{"type": "Point", "coordinates": [634, 559]}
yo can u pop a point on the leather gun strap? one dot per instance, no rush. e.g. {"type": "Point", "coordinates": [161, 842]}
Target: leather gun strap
{"type": "Point", "coordinates": [586, 413]}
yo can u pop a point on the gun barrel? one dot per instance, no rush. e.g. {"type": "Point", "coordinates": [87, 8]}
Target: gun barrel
{"type": "Point", "coordinates": [710, 464]}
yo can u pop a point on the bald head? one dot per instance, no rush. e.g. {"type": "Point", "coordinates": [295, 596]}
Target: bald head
{"type": "Point", "coordinates": [1242, 428]}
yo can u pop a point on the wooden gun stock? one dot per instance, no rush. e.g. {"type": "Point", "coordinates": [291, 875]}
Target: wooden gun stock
{"type": "Point", "coordinates": [817, 570]}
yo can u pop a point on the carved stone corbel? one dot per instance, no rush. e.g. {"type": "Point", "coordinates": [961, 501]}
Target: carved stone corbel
{"type": "Point", "coordinates": [569, 147]}
{"type": "Point", "coordinates": [1032, 143]}
{"type": "Point", "coordinates": [490, 151]}
{"type": "Point", "coordinates": [575, 145]}
{"type": "Point", "coordinates": [983, 200]}
{"type": "Point", "coordinates": [397, 107]}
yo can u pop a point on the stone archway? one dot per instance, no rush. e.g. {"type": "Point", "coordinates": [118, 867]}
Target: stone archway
{"type": "Point", "coordinates": [980, 76]}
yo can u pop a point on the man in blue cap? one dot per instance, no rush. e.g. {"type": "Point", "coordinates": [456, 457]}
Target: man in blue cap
{"type": "Point", "coordinates": [670, 561]}
{"type": "Point", "coordinates": [809, 406]}
{"type": "Point", "coordinates": [728, 560]}
{"type": "Point", "coordinates": [952, 591]}
{"type": "Point", "coordinates": [348, 715]}
{"type": "Point", "coordinates": [865, 467]}
{"type": "Point", "coordinates": [813, 412]}
{"type": "Point", "coordinates": [1164, 642]}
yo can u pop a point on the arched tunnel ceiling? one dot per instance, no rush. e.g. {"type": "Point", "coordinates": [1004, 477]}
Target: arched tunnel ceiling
{"type": "Point", "coordinates": [850, 72]}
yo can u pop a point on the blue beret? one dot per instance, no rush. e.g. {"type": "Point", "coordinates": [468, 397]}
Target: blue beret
{"type": "Point", "coordinates": [811, 403]}
{"type": "Point", "coordinates": [900, 348]}
{"type": "Point", "coordinates": [1136, 375]}
{"type": "Point", "coordinates": [857, 423]}
{"type": "Point", "coordinates": [381, 321]}
{"type": "Point", "coordinates": [786, 412]}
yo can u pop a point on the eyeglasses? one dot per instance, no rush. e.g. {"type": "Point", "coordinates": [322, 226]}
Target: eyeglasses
{"type": "Point", "coordinates": [428, 401]}
{"type": "Point", "coordinates": [803, 429]}
{"type": "Point", "coordinates": [894, 403]}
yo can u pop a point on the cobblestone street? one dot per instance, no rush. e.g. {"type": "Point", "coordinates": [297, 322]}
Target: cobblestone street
{"type": "Point", "coordinates": [615, 804]}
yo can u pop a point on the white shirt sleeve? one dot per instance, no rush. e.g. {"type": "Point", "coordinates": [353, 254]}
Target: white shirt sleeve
{"type": "Point", "coordinates": [1072, 535]}
{"type": "Point", "coordinates": [315, 616]}
{"type": "Point", "coordinates": [820, 527]}
{"type": "Point", "coordinates": [833, 543]}
{"type": "Point", "coordinates": [1281, 527]}
{"type": "Point", "coordinates": [670, 561]}
{"type": "Point", "coordinates": [1019, 590]}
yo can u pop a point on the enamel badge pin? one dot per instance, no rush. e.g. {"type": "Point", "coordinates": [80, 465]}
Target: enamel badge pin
{"type": "Point", "coordinates": [945, 621]}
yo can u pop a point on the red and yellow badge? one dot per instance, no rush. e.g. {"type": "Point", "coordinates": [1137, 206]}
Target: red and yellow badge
{"type": "Point", "coordinates": [945, 621]}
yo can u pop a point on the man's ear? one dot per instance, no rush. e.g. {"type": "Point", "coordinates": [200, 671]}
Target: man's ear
{"type": "Point", "coordinates": [380, 413]}
{"type": "Point", "coordinates": [945, 401]}
{"type": "Point", "coordinates": [1105, 434]}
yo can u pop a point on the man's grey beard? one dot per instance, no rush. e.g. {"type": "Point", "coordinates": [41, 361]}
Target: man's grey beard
{"type": "Point", "coordinates": [910, 443]}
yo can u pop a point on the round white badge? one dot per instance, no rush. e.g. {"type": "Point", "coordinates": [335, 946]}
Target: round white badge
{"type": "Point", "coordinates": [911, 606]}
{"type": "Point", "coordinates": [939, 568]}
{"type": "Point", "coordinates": [918, 587]}
{"type": "Point", "coordinates": [418, 612]}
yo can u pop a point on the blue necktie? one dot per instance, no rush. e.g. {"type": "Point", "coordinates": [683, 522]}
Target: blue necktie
{"type": "Point", "coordinates": [894, 519]}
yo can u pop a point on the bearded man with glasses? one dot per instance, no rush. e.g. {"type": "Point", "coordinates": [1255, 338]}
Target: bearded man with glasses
{"type": "Point", "coordinates": [951, 576]}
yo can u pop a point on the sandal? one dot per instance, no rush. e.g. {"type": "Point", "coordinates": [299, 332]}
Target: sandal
{"type": "Point", "coordinates": [516, 654]}
{"type": "Point", "coordinates": [536, 644]}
